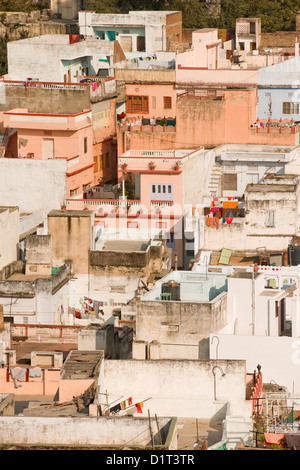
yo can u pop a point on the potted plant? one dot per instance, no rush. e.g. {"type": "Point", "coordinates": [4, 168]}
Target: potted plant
{"type": "Point", "coordinates": [177, 165]}
{"type": "Point", "coordinates": [124, 166]}
{"type": "Point", "coordinates": [63, 207]}
{"type": "Point", "coordinates": [152, 165]}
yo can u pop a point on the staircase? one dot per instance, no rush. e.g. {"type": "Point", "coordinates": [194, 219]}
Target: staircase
{"type": "Point", "coordinates": [214, 181]}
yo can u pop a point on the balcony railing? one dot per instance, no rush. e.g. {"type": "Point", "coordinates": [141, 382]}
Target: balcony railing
{"type": "Point", "coordinates": [128, 206]}
{"type": "Point", "coordinates": [149, 164]}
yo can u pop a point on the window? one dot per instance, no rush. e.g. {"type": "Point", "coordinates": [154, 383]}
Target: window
{"type": "Point", "coordinates": [73, 192]}
{"type": "Point", "coordinates": [269, 221]}
{"type": "Point", "coordinates": [252, 27]}
{"type": "Point", "coordinates": [85, 145]}
{"type": "Point", "coordinates": [167, 102]}
{"type": "Point", "coordinates": [161, 192]}
{"type": "Point", "coordinates": [230, 181]}
{"type": "Point", "coordinates": [96, 168]}
{"type": "Point", "coordinates": [288, 107]}
{"type": "Point", "coordinates": [137, 104]}
{"type": "Point", "coordinates": [242, 46]}
{"type": "Point", "coordinates": [140, 43]}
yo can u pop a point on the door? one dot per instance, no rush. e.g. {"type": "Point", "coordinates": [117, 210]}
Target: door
{"type": "Point", "coordinates": [48, 148]}
{"type": "Point", "coordinates": [126, 43]}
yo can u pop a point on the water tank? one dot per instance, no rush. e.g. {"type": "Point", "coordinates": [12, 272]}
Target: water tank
{"type": "Point", "coordinates": [173, 288]}
{"type": "Point", "coordinates": [294, 255]}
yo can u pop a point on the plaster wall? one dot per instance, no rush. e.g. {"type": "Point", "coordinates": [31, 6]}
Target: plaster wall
{"type": "Point", "coordinates": [182, 388]}
{"type": "Point", "coordinates": [281, 364]}
{"type": "Point", "coordinates": [43, 184]}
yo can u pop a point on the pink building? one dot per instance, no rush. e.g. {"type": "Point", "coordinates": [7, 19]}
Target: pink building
{"type": "Point", "coordinates": [56, 136]}
{"type": "Point", "coordinates": [166, 185]}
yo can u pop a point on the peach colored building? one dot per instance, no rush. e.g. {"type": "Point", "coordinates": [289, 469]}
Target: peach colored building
{"type": "Point", "coordinates": [56, 136]}
{"type": "Point", "coordinates": [166, 183]}
{"type": "Point", "coordinates": [207, 116]}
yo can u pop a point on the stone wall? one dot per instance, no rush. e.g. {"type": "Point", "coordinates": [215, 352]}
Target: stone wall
{"type": "Point", "coordinates": [39, 99]}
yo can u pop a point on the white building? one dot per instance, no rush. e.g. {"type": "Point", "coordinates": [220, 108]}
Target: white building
{"type": "Point", "coordinates": [55, 58]}
{"type": "Point", "coordinates": [138, 32]}
{"type": "Point", "coordinates": [267, 217]}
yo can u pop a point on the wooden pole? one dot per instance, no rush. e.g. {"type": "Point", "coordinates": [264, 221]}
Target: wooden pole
{"type": "Point", "coordinates": [160, 438]}
{"type": "Point", "coordinates": [151, 435]}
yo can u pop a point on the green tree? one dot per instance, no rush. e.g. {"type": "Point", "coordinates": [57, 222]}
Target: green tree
{"type": "Point", "coordinates": [23, 5]}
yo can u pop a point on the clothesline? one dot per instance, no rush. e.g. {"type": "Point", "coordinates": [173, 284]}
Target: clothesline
{"type": "Point", "coordinates": [128, 404]}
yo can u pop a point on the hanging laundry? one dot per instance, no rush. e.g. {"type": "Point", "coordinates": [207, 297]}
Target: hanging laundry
{"type": "Point", "coordinates": [273, 438]}
{"type": "Point", "coordinates": [35, 372]}
{"type": "Point", "coordinates": [138, 408]}
{"type": "Point", "coordinates": [229, 220]}
{"type": "Point", "coordinates": [18, 374]}
{"type": "Point", "coordinates": [94, 86]}
{"type": "Point", "coordinates": [115, 409]}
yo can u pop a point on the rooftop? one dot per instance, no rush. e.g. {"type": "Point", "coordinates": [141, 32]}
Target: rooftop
{"type": "Point", "coordinates": [82, 364]}
{"type": "Point", "coordinates": [187, 286]}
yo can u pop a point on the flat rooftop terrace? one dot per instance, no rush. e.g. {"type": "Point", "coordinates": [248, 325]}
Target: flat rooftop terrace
{"type": "Point", "coordinates": [193, 286]}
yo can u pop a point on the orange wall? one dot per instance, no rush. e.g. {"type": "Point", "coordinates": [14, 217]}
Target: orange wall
{"type": "Point", "coordinates": [210, 122]}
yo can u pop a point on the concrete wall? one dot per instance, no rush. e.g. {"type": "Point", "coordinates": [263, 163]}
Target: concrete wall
{"type": "Point", "coordinates": [281, 363]}
{"type": "Point", "coordinates": [180, 388]}
{"type": "Point", "coordinates": [32, 185]}
{"type": "Point", "coordinates": [52, 58]}
{"type": "Point", "coordinates": [45, 99]}
{"type": "Point", "coordinates": [82, 431]}
{"type": "Point", "coordinates": [179, 322]}
{"type": "Point", "coordinates": [38, 249]}
{"type": "Point", "coordinates": [9, 233]}
{"type": "Point", "coordinates": [71, 235]}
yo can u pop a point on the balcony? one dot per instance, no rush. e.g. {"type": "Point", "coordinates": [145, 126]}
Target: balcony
{"type": "Point", "coordinates": [144, 161]}
{"type": "Point", "coordinates": [105, 207]}
{"type": "Point", "coordinates": [21, 118]}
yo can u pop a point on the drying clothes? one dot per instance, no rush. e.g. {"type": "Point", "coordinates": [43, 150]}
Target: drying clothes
{"type": "Point", "coordinates": [273, 438]}
{"type": "Point", "coordinates": [138, 408]}
{"type": "Point", "coordinates": [229, 220]}
{"type": "Point", "coordinates": [230, 204]}
{"type": "Point", "coordinates": [96, 306]}
{"type": "Point", "coordinates": [94, 86]}
{"type": "Point", "coordinates": [35, 372]}
{"type": "Point", "coordinates": [18, 374]}
{"type": "Point", "coordinates": [116, 409]}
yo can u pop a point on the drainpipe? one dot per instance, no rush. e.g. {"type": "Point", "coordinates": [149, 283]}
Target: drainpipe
{"type": "Point", "coordinates": [253, 302]}
{"type": "Point", "coordinates": [123, 186]}
{"type": "Point", "coordinates": [215, 380]}
{"type": "Point", "coordinates": [217, 345]}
